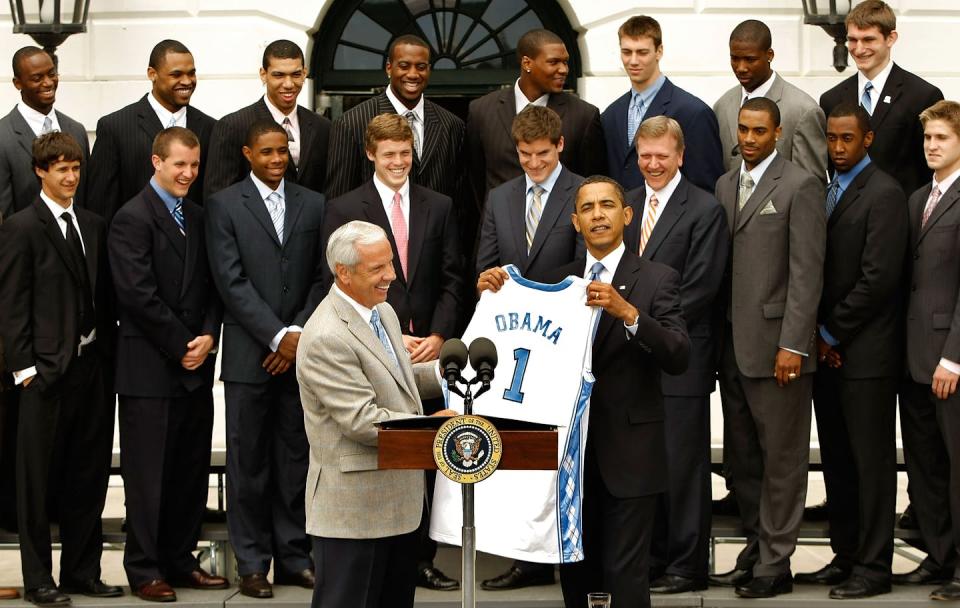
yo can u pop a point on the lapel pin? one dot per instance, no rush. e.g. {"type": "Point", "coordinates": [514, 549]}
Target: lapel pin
{"type": "Point", "coordinates": [622, 287]}
{"type": "Point", "coordinates": [886, 99]}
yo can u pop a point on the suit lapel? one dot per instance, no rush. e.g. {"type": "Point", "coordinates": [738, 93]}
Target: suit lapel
{"type": "Point", "coordinates": [516, 211]}
{"type": "Point", "coordinates": [660, 103]}
{"type": "Point", "coordinates": [25, 135]}
{"type": "Point", "coordinates": [851, 194]}
{"type": "Point", "coordinates": [164, 221]}
{"type": "Point", "coordinates": [916, 214]}
{"type": "Point", "coordinates": [91, 249]}
{"type": "Point", "coordinates": [52, 230]}
{"type": "Point", "coordinates": [306, 142]}
{"type": "Point", "coordinates": [147, 120]}
{"type": "Point", "coordinates": [761, 192]}
{"type": "Point", "coordinates": [626, 275]}
{"type": "Point", "coordinates": [193, 217]}
{"type": "Point", "coordinates": [376, 214]}
{"type": "Point", "coordinates": [947, 200]}
{"type": "Point", "coordinates": [362, 330]}
{"type": "Point", "coordinates": [619, 109]}
{"type": "Point", "coordinates": [416, 229]}
{"type": "Point", "coordinates": [431, 134]}
{"type": "Point", "coordinates": [551, 213]}
{"type": "Point", "coordinates": [292, 205]}
{"type": "Point", "coordinates": [507, 111]}
{"type": "Point", "coordinates": [668, 218]}
{"type": "Point", "coordinates": [558, 103]}
{"type": "Point", "coordinates": [893, 89]}
{"type": "Point", "coordinates": [257, 208]}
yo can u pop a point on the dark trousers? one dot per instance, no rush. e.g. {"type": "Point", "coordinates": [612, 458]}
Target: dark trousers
{"type": "Point", "coordinates": [9, 398]}
{"type": "Point", "coordinates": [681, 542]}
{"type": "Point", "coordinates": [365, 573]}
{"type": "Point", "coordinates": [65, 437]}
{"type": "Point", "coordinates": [617, 533]}
{"type": "Point", "coordinates": [856, 425]}
{"type": "Point", "coordinates": [426, 546]}
{"type": "Point", "coordinates": [931, 450]}
{"type": "Point", "coordinates": [267, 457]}
{"type": "Point", "coordinates": [767, 445]}
{"type": "Point", "coordinates": [165, 443]}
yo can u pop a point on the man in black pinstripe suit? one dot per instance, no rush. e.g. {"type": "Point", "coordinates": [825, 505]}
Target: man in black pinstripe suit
{"type": "Point", "coordinates": [437, 159]}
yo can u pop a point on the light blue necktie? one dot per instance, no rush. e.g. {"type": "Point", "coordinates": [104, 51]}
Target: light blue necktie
{"type": "Point", "coordinates": [276, 209]}
{"type": "Point", "coordinates": [865, 100]}
{"type": "Point", "coordinates": [634, 118]}
{"type": "Point", "coordinates": [595, 271]}
{"type": "Point", "coordinates": [833, 195]}
{"type": "Point", "coordinates": [381, 333]}
{"type": "Point", "coordinates": [178, 216]}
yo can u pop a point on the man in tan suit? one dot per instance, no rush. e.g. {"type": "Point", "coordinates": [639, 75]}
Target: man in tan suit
{"type": "Point", "coordinates": [776, 214]}
{"type": "Point", "coordinates": [354, 372]}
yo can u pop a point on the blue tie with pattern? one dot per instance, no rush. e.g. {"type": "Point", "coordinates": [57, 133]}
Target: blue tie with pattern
{"type": "Point", "coordinates": [833, 195]}
{"type": "Point", "coordinates": [178, 216]}
{"type": "Point", "coordinates": [865, 100]}
{"type": "Point", "coordinates": [381, 333]}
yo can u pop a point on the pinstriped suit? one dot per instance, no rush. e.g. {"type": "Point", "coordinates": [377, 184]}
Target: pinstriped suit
{"type": "Point", "coordinates": [120, 163]}
{"type": "Point", "coordinates": [439, 169]}
{"type": "Point", "coordinates": [228, 166]}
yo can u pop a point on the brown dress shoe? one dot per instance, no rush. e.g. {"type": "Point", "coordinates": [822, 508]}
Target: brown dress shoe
{"type": "Point", "coordinates": [8, 593]}
{"type": "Point", "coordinates": [256, 585]}
{"type": "Point", "coordinates": [199, 579]}
{"type": "Point", "coordinates": [156, 590]}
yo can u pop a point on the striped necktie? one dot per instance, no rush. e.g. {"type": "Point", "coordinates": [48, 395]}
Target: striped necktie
{"type": "Point", "coordinates": [634, 118]}
{"type": "Point", "coordinates": [276, 209]}
{"type": "Point", "coordinates": [833, 195]}
{"type": "Point", "coordinates": [178, 216]}
{"type": "Point", "coordinates": [865, 99]}
{"type": "Point", "coordinates": [533, 214]}
{"type": "Point", "coordinates": [930, 206]}
{"type": "Point", "coordinates": [399, 228]}
{"type": "Point", "coordinates": [648, 223]}
{"type": "Point", "coordinates": [380, 331]}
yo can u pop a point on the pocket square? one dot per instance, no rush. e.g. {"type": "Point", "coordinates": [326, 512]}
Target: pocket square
{"type": "Point", "coordinates": [768, 209]}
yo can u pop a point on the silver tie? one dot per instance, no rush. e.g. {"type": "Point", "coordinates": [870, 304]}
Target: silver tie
{"type": "Point", "coordinates": [276, 208]}
{"type": "Point", "coordinates": [746, 189]}
{"type": "Point", "coordinates": [412, 119]}
{"type": "Point", "coordinates": [47, 125]}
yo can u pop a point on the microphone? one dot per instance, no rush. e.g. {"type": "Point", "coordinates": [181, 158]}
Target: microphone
{"type": "Point", "coordinates": [483, 359]}
{"type": "Point", "coordinates": [453, 358]}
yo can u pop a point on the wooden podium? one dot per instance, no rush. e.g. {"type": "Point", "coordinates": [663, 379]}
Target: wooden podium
{"type": "Point", "coordinates": [409, 444]}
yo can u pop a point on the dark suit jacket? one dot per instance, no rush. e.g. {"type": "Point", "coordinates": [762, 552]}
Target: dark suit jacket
{"type": "Point", "coordinates": [702, 156]}
{"type": "Point", "coordinates": [41, 294]}
{"type": "Point", "coordinates": [120, 164]}
{"type": "Point", "coordinates": [775, 270]}
{"type": "Point", "coordinates": [691, 237]}
{"type": "Point", "coordinates": [503, 236]}
{"type": "Point", "coordinates": [626, 406]}
{"type": "Point", "coordinates": [431, 295]}
{"type": "Point", "coordinates": [898, 136]}
{"type": "Point", "coordinates": [933, 308]}
{"type": "Point", "coordinates": [19, 185]}
{"type": "Point", "coordinates": [492, 153]}
{"type": "Point", "coordinates": [264, 285]}
{"type": "Point", "coordinates": [228, 166]}
{"type": "Point", "coordinates": [165, 297]}
{"type": "Point", "coordinates": [861, 304]}
{"type": "Point", "coordinates": [439, 169]}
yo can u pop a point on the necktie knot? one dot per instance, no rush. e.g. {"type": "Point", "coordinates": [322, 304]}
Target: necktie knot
{"type": "Point", "coordinates": [865, 100]}
{"type": "Point", "coordinates": [275, 207]}
{"type": "Point", "coordinates": [47, 125]}
{"type": "Point", "coordinates": [65, 216]}
{"type": "Point", "coordinates": [172, 122]}
{"type": "Point", "coordinates": [746, 181]}
{"type": "Point", "coordinates": [288, 127]}
{"type": "Point", "coordinates": [932, 201]}
{"type": "Point", "coordinates": [375, 317]}
{"type": "Point", "coordinates": [653, 201]}
{"type": "Point", "coordinates": [596, 270]}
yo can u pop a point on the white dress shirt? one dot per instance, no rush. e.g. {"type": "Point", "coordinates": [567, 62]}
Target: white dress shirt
{"type": "Point", "coordinates": [386, 197]}
{"type": "Point", "coordinates": [757, 172]}
{"type": "Point", "coordinates": [547, 186]}
{"type": "Point", "coordinates": [293, 146]}
{"type": "Point", "coordinates": [663, 197]}
{"type": "Point", "coordinates": [878, 82]}
{"type": "Point", "coordinates": [522, 102]}
{"type": "Point", "coordinates": [179, 117]}
{"type": "Point", "coordinates": [760, 91]}
{"type": "Point", "coordinates": [610, 263]}
{"type": "Point", "coordinates": [35, 119]}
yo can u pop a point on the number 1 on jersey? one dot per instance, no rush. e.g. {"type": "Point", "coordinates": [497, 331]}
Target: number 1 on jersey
{"type": "Point", "coordinates": [521, 356]}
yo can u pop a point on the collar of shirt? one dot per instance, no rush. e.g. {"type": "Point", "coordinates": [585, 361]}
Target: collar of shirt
{"type": "Point", "coordinates": [947, 183]}
{"type": "Point", "coordinates": [610, 263]}
{"type": "Point", "coordinates": [265, 190]}
{"type": "Point", "coordinates": [278, 116]}
{"type": "Point", "coordinates": [546, 184]}
{"type": "Point", "coordinates": [58, 210]}
{"type": "Point", "coordinates": [35, 119]}
{"type": "Point", "coordinates": [663, 195]}
{"type": "Point", "coordinates": [168, 199]}
{"type": "Point", "coordinates": [402, 109]}
{"type": "Point", "coordinates": [180, 116]}
{"type": "Point", "coordinates": [879, 81]}
{"type": "Point", "coordinates": [757, 172]}
{"type": "Point", "coordinates": [845, 179]}
{"type": "Point", "coordinates": [521, 100]}
{"type": "Point", "coordinates": [760, 91]}
{"type": "Point", "coordinates": [386, 196]}
{"type": "Point", "coordinates": [646, 96]}
{"type": "Point", "coordinates": [364, 312]}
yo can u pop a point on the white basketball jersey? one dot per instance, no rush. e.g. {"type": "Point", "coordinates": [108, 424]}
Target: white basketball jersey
{"type": "Point", "coordinates": [544, 339]}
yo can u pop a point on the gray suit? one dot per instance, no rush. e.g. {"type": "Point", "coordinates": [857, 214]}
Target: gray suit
{"type": "Point", "coordinates": [348, 382]}
{"type": "Point", "coordinates": [19, 185]}
{"type": "Point", "coordinates": [775, 275]}
{"type": "Point", "coordinates": [803, 140]}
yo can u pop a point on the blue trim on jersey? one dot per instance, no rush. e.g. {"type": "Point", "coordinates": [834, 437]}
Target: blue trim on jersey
{"type": "Point", "coordinates": [570, 482]}
{"type": "Point", "coordinates": [516, 276]}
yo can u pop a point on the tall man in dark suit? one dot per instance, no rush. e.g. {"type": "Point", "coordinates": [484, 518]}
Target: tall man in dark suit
{"type": "Point", "coordinates": [859, 348]}
{"type": "Point", "coordinates": [652, 94]}
{"type": "Point", "coordinates": [265, 251]}
{"type": "Point", "coordinates": [170, 316]}
{"type": "Point", "coordinates": [283, 73]}
{"type": "Point", "coordinates": [36, 77]}
{"type": "Point", "coordinates": [427, 292]}
{"type": "Point", "coordinates": [525, 224]}
{"type": "Point", "coordinates": [640, 334]}
{"type": "Point", "coordinates": [438, 158]}
{"type": "Point", "coordinates": [120, 165]}
{"type": "Point", "coordinates": [491, 149]}
{"type": "Point", "coordinates": [684, 227]}
{"type": "Point", "coordinates": [891, 95]}
{"type": "Point", "coordinates": [774, 277]}
{"type": "Point", "coordinates": [57, 330]}
{"type": "Point", "coordinates": [928, 398]}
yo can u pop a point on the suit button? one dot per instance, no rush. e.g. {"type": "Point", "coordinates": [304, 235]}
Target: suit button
{"type": "Point", "coordinates": [283, 259]}
{"type": "Point", "coordinates": [285, 290]}
{"type": "Point", "coordinates": [913, 288]}
{"type": "Point", "coordinates": [916, 256]}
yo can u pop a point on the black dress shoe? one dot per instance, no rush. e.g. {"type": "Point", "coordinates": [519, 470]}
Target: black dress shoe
{"type": "Point", "coordinates": [305, 578]}
{"type": "Point", "coordinates": [725, 506]}
{"type": "Point", "coordinates": [828, 575]}
{"type": "Point", "coordinates": [671, 583]}
{"type": "Point", "coordinates": [950, 591]}
{"type": "Point", "coordinates": [818, 512]}
{"type": "Point", "coordinates": [734, 578]}
{"type": "Point", "coordinates": [47, 595]}
{"type": "Point", "coordinates": [515, 578]}
{"type": "Point", "coordinates": [256, 585]}
{"type": "Point", "coordinates": [921, 576]}
{"type": "Point", "coordinates": [433, 578]}
{"type": "Point", "coordinates": [92, 588]}
{"type": "Point", "coordinates": [859, 586]}
{"type": "Point", "coordinates": [766, 586]}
